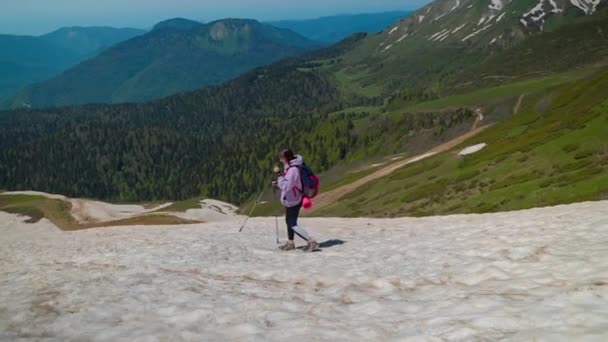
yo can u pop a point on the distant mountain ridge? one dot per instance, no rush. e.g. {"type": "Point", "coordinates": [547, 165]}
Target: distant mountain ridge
{"type": "Point", "coordinates": [87, 41]}
{"type": "Point", "coordinates": [28, 59]}
{"type": "Point", "coordinates": [332, 29]}
{"type": "Point", "coordinates": [176, 55]}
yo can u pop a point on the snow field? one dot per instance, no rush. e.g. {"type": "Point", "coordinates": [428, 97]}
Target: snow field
{"type": "Point", "coordinates": [535, 274]}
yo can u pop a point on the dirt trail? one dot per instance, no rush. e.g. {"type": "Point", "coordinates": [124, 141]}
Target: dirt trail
{"type": "Point", "coordinates": [328, 198]}
{"type": "Point", "coordinates": [518, 104]}
{"type": "Point", "coordinates": [478, 118]}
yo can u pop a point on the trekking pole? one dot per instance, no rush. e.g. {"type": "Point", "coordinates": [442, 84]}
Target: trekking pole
{"type": "Point", "coordinates": [276, 218]}
{"type": "Point", "coordinates": [276, 222]}
{"type": "Point", "coordinates": [252, 209]}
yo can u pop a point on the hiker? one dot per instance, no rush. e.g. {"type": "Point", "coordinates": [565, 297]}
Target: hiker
{"type": "Point", "coordinates": [291, 186]}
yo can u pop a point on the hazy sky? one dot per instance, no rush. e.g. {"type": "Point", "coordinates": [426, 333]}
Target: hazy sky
{"type": "Point", "coordinates": [42, 16]}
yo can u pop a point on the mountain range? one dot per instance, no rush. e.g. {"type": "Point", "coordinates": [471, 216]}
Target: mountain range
{"type": "Point", "coordinates": [28, 59]}
{"type": "Point", "coordinates": [176, 55]}
{"type": "Point", "coordinates": [333, 29]}
{"type": "Point", "coordinates": [416, 84]}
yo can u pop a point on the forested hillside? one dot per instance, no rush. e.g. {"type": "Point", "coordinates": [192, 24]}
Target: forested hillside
{"type": "Point", "coordinates": [350, 101]}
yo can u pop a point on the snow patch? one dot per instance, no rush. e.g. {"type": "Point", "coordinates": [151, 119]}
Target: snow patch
{"type": "Point", "coordinates": [538, 14]}
{"type": "Point", "coordinates": [86, 211]}
{"type": "Point", "coordinates": [496, 5]}
{"type": "Point", "coordinates": [476, 33]}
{"type": "Point", "coordinates": [535, 9]}
{"type": "Point", "coordinates": [402, 37]}
{"type": "Point", "coordinates": [500, 17]}
{"type": "Point", "coordinates": [525, 23]}
{"type": "Point", "coordinates": [211, 211]}
{"type": "Point", "coordinates": [587, 6]}
{"type": "Point", "coordinates": [420, 18]}
{"type": "Point", "coordinates": [459, 28]}
{"type": "Point", "coordinates": [455, 6]}
{"type": "Point", "coordinates": [441, 16]}
{"type": "Point", "coordinates": [555, 8]}
{"type": "Point", "coordinates": [472, 149]}
{"type": "Point", "coordinates": [494, 40]}
{"type": "Point", "coordinates": [393, 30]}
{"type": "Point", "coordinates": [438, 34]}
{"type": "Point", "coordinates": [387, 47]}
{"type": "Point", "coordinates": [36, 193]}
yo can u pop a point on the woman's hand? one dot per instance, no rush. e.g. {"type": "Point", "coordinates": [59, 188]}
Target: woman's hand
{"type": "Point", "coordinates": [277, 169]}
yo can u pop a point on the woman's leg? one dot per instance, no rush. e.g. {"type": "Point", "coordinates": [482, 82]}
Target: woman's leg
{"type": "Point", "coordinates": [293, 224]}
{"type": "Point", "coordinates": [291, 218]}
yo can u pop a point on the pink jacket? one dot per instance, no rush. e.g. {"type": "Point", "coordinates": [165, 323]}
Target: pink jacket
{"type": "Point", "coordinates": [290, 183]}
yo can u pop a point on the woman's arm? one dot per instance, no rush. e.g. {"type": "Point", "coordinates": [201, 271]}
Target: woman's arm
{"type": "Point", "coordinates": [289, 180]}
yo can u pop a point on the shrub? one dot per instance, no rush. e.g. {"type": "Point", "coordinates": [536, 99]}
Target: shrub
{"type": "Point", "coordinates": [583, 154]}
{"type": "Point", "coordinates": [546, 183]}
{"type": "Point", "coordinates": [570, 147]}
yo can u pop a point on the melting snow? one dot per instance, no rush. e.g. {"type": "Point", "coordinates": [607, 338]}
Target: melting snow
{"type": "Point", "coordinates": [459, 28]}
{"type": "Point", "coordinates": [36, 193]}
{"type": "Point", "coordinates": [525, 23]}
{"type": "Point", "coordinates": [393, 30]}
{"type": "Point", "coordinates": [476, 33]}
{"type": "Point", "coordinates": [538, 14]}
{"type": "Point", "coordinates": [496, 5]}
{"type": "Point", "coordinates": [402, 37]}
{"type": "Point", "coordinates": [587, 6]}
{"type": "Point", "coordinates": [438, 34]}
{"type": "Point", "coordinates": [537, 8]}
{"type": "Point", "coordinates": [441, 16]}
{"type": "Point", "coordinates": [529, 275]}
{"type": "Point", "coordinates": [474, 148]}
{"type": "Point", "coordinates": [455, 6]}
{"type": "Point", "coordinates": [387, 47]}
{"type": "Point", "coordinates": [500, 17]}
{"type": "Point", "coordinates": [420, 18]}
{"type": "Point", "coordinates": [493, 40]}
{"type": "Point", "coordinates": [555, 8]}
{"type": "Point", "coordinates": [443, 36]}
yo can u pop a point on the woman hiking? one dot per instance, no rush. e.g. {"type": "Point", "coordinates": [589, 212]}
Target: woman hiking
{"type": "Point", "coordinates": [291, 197]}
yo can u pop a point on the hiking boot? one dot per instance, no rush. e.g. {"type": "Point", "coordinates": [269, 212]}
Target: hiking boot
{"type": "Point", "coordinates": [312, 246]}
{"type": "Point", "coordinates": [289, 246]}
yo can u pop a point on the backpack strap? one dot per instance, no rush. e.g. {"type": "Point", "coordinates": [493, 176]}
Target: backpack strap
{"type": "Point", "coordinates": [301, 188]}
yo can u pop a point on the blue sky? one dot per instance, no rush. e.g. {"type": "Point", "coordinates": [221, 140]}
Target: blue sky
{"type": "Point", "coordinates": [42, 16]}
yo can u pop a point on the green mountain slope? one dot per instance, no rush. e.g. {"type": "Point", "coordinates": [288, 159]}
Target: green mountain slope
{"type": "Point", "coordinates": [449, 43]}
{"type": "Point", "coordinates": [554, 151]}
{"type": "Point", "coordinates": [177, 55]}
{"type": "Point", "coordinates": [332, 29]}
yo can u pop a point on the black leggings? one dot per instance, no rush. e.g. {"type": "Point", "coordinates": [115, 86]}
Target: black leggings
{"type": "Point", "coordinates": [291, 218]}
